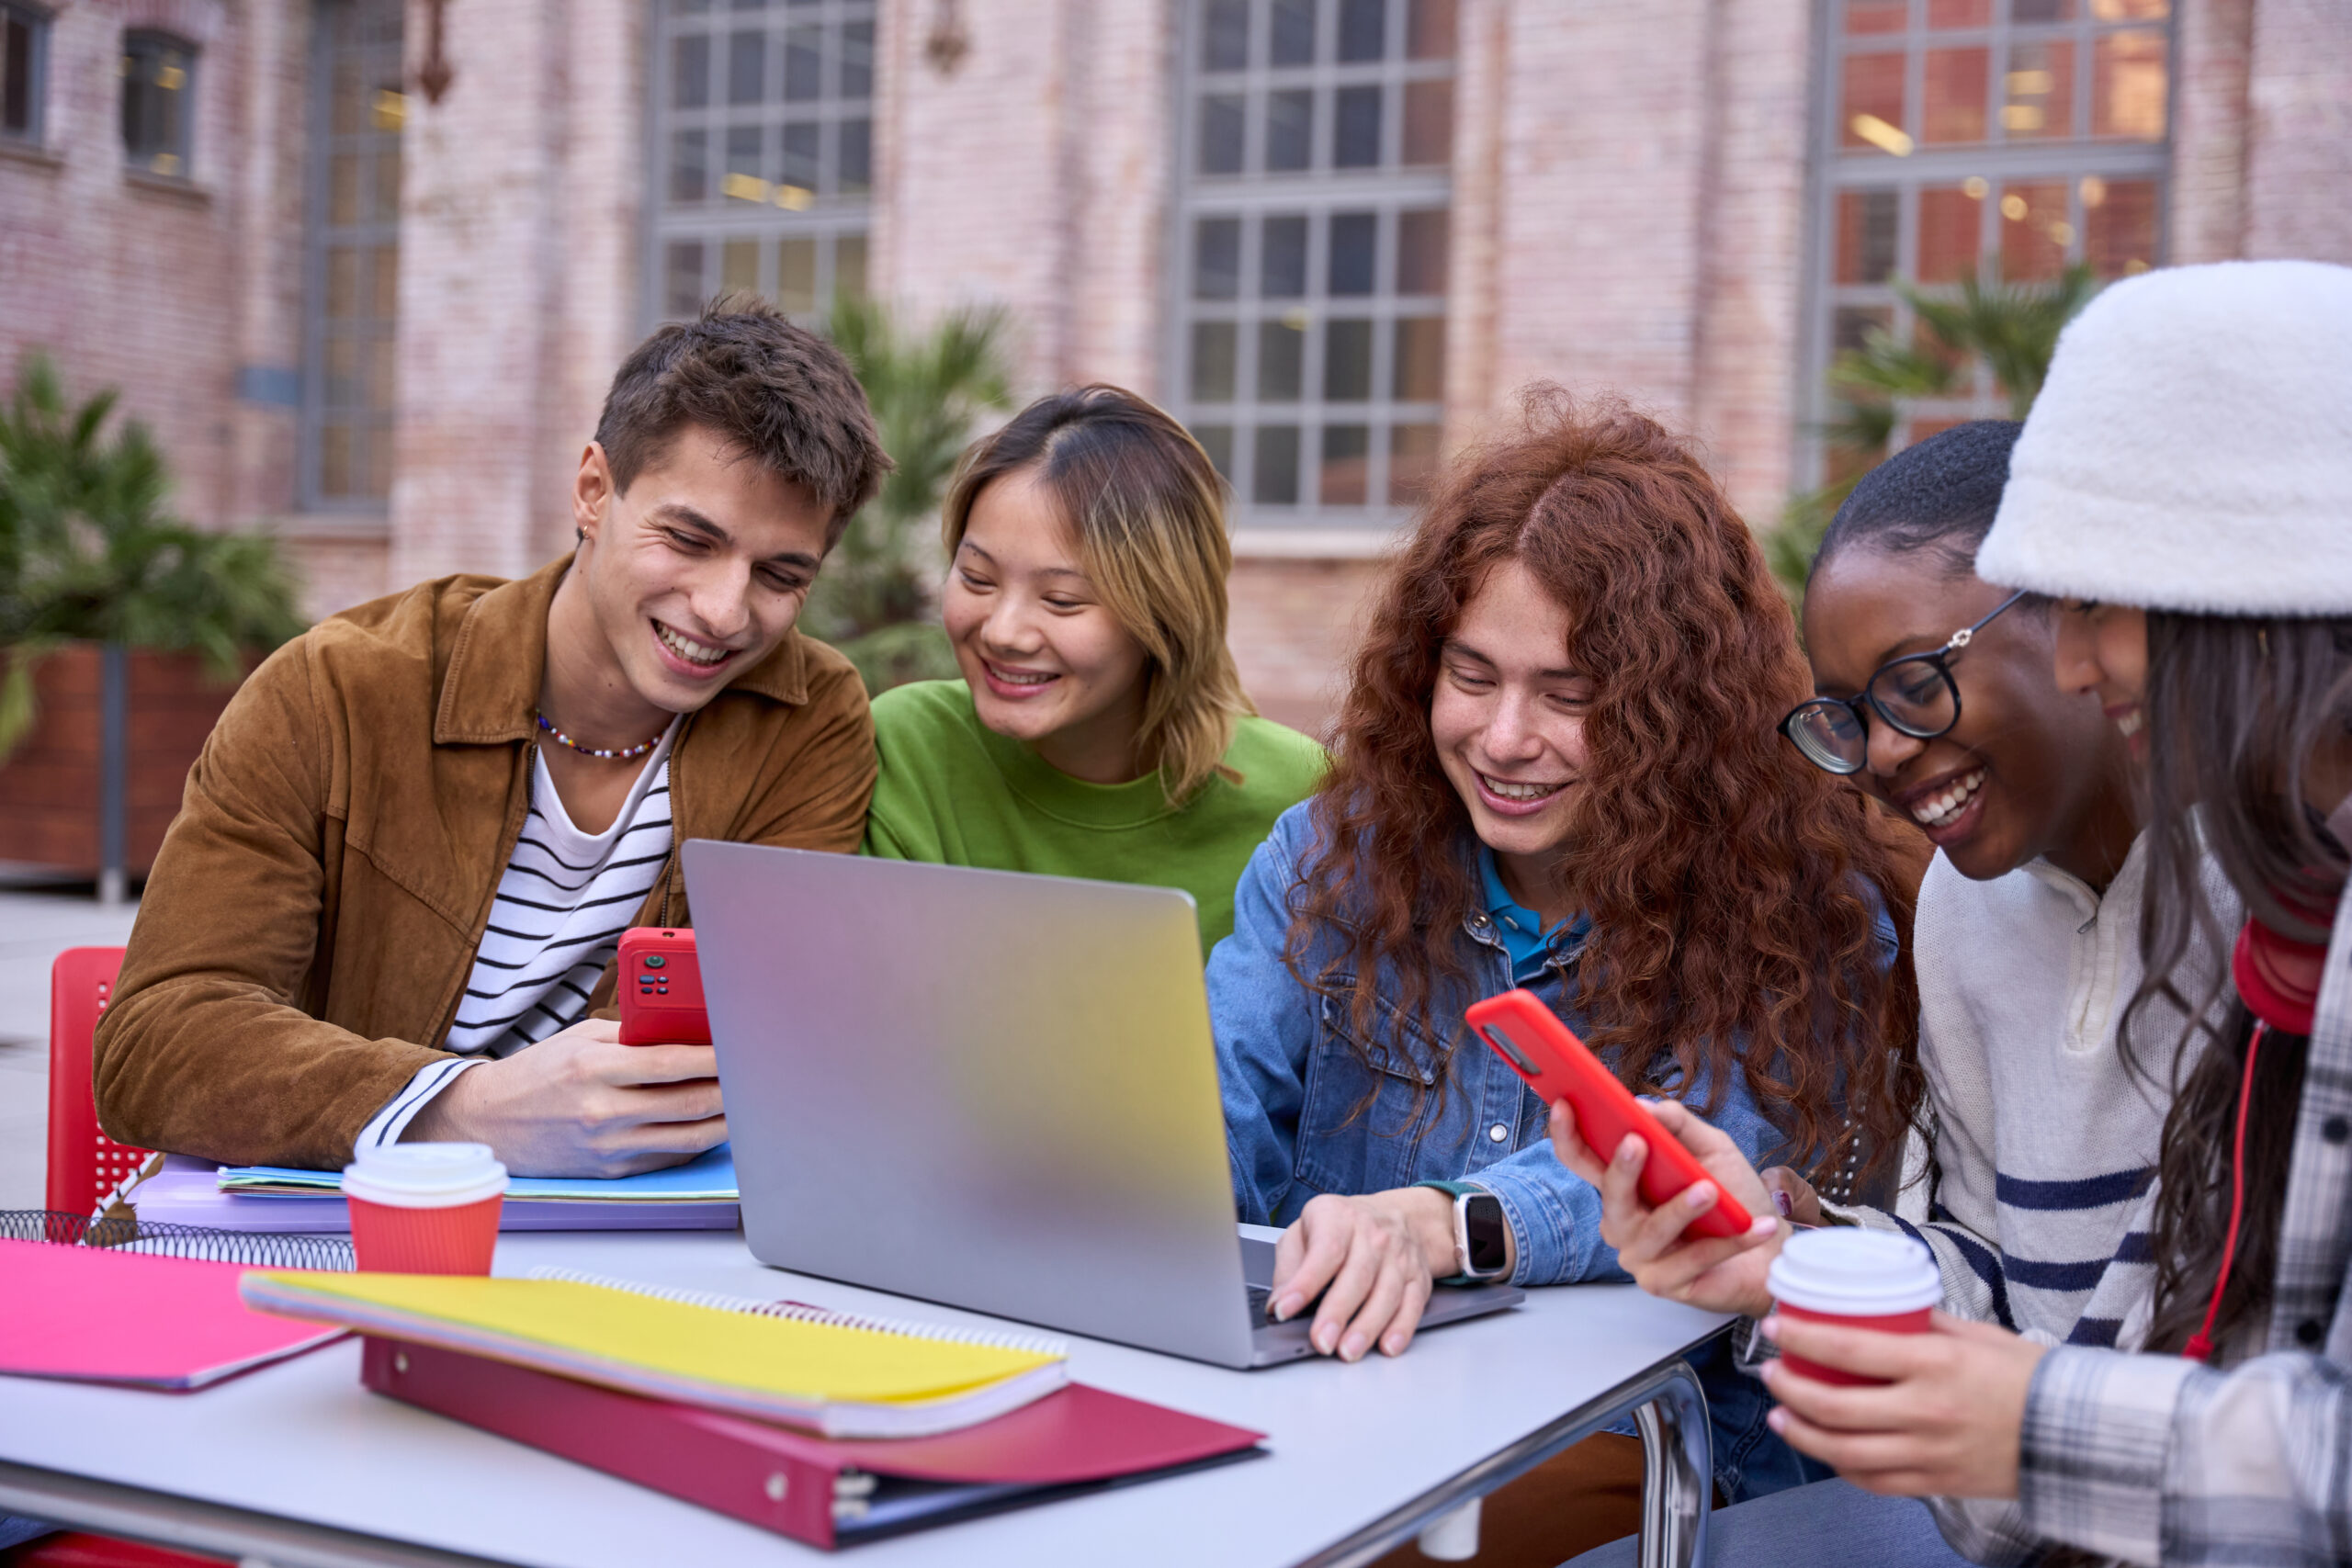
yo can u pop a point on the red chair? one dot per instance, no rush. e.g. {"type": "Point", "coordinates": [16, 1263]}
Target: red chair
{"type": "Point", "coordinates": [85, 1166]}
{"type": "Point", "coordinates": [72, 1549]}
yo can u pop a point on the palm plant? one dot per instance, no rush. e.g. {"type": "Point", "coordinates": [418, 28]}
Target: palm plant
{"type": "Point", "coordinates": [874, 598]}
{"type": "Point", "coordinates": [2010, 328]}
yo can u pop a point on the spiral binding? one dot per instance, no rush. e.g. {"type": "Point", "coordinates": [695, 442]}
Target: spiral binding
{"type": "Point", "coordinates": [801, 1312]}
{"type": "Point", "coordinates": [260, 1250]}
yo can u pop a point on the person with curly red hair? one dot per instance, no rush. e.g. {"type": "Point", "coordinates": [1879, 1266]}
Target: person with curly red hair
{"type": "Point", "coordinates": [1556, 767]}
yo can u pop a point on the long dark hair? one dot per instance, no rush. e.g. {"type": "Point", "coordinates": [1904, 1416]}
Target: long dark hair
{"type": "Point", "coordinates": [1727, 882]}
{"type": "Point", "coordinates": [2235, 709]}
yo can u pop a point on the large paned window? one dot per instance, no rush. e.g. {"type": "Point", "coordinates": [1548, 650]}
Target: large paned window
{"type": "Point", "coordinates": [158, 102]}
{"type": "Point", "coordinates": [24, 59]}
{"type": "Point", "coordinates": [763, 152]}
{"type": "Point", "coordinates": [1308, 351]}
{"type": "Point", "coordinates": [358, 105]}
{"type": "Point", "coordinates": [1999, 138]}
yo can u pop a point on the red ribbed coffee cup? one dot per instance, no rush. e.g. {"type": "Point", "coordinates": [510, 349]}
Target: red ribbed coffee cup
{"type": "Point", "coordinates": [1856, 1279]}
{"type": "Point", "coordinates": [425, 1208]}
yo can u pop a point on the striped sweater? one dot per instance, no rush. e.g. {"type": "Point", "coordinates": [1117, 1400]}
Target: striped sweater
{"type": "Point", "coordinates": [2046, 1142]}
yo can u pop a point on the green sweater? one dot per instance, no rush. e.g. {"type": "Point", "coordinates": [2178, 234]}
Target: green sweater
{"type": "Point", "coordinates": [955, 792]}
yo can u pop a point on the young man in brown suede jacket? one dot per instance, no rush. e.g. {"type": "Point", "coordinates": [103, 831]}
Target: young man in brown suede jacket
{"type": "Point", "coordinates": [390, 903]}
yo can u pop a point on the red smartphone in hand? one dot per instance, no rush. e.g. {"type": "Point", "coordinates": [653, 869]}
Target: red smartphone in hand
{"type": "Point", "coordinates": [1558, 1065]}
{"type": "Point", "coordinates": [661, 989]}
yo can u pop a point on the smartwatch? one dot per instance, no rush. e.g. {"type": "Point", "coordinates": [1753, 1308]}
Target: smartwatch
{"type": "Point", "coordinates": [1481, 1233]}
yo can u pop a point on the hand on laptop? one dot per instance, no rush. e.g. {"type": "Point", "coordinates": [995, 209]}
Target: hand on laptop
{"type": "Point", "coordinates": [1373, 1259]}
{"type": "Point", "coordinates": [581, 1103]}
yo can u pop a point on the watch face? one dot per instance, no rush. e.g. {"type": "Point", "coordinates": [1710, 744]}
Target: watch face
{"type": "Point", "coordinates": [1488, 1234]}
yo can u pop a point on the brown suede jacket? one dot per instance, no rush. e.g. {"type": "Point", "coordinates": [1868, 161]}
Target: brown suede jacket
{"type": "Point", "coordinates": [313, 917]}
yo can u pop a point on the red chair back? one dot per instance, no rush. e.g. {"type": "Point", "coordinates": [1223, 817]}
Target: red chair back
{"type": "Point", "coordinates": [84, 1165]}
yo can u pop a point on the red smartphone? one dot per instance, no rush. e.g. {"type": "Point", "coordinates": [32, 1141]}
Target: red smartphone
{"type": "Point", "coordinates": [661, 987]}
{"type": "Point", "coordinates": [1558, 1065]}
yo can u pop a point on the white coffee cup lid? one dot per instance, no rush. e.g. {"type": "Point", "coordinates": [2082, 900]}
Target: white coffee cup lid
{"type": "Point", "coordinates": [425, 1176]}
{"type": "Point", "coordinates": [1855, 1273]}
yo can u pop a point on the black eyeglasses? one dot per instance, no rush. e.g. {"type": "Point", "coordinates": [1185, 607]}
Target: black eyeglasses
{"type": "Point", "coordinates": [1914, 694]}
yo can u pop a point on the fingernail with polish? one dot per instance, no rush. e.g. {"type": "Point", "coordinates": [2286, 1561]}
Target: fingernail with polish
{"type": "Point", "coordinates": [1778, 1420]}
{"type": "Point", "coordinates": [1762, 1224]}
{"type": "Point", "coordinates": [1702, 1193]}
{"type": "Point", "coordinates": [1786, 1204]}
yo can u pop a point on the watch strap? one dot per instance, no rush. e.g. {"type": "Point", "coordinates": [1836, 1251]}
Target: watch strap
{"type": "Point", "coordinates": [1457, 1190]}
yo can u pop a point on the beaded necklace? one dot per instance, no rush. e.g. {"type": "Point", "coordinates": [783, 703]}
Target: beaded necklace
{"type": "Point", "coordinates": [628, 753]}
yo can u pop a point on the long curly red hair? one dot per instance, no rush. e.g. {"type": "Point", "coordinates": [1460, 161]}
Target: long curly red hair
{"type": "Point", "coordinates": [1728, 883]}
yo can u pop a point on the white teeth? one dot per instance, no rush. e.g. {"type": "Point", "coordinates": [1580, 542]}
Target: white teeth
{"type": "Point", "coordinates": [686, 647]}
{"type": "Point", "coordinates": [1023, 678]}
{"type": "Point", "coordinates": [2130, 722]}
{"type": "Point", "coordinates": [1520, 791]}
{"type": "Point", "coordinates": [1942, 811]}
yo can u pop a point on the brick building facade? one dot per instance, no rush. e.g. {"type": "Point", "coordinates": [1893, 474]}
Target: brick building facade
{"type": "Point", "coordinates": [381, 320]}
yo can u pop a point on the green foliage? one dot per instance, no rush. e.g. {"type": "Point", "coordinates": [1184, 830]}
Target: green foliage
{"type": "Point", "coordinates": [874, 600]}
{"type": "Point", "coordinates": [87, 550]}
{"type": "Point", "coordinates": [2011, 328]}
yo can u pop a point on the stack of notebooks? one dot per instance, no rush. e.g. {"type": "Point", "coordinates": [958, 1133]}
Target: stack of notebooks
{"type": "Point", "coordinates": [698, 1195]}
{"type": "Point", "coordinates": [822, 1426]}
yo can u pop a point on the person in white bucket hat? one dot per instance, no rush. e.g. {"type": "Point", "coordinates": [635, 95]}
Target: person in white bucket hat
{"type": "Point", "coordinates": [2183, 489]}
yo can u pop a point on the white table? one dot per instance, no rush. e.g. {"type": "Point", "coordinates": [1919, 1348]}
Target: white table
{"type": "Point", "coordinates": [298, 1465]}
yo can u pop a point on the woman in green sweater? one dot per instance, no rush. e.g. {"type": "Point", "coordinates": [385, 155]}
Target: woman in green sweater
{"type": "Point", "coordinates": [1100, 729]}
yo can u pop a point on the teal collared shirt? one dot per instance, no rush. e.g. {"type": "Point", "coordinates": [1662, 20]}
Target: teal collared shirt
{"type": "Point", "coordinates": [1521, 928]}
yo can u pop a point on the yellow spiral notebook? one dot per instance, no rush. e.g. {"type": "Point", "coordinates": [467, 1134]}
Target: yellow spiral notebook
{"type": "Point", "coordinates": [843, 1376]}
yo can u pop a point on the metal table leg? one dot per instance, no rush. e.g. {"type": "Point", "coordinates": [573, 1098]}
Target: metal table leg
{"type": "Point", "coordinates": [1677, 1472]}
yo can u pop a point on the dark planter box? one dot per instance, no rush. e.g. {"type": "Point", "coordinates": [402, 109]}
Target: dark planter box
{"type": "Point", "coordinates": [49, 785]}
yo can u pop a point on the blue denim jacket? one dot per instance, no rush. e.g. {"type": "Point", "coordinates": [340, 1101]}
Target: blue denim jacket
{"type": "Point", "coordinates": [1294, 1079]}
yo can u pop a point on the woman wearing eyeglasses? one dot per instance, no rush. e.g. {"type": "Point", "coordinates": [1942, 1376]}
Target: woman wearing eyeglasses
{"type": "Point", "coordinates": [1935, 697]}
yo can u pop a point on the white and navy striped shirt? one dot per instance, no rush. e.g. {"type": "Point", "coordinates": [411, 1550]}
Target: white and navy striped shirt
{"type": "Point", "coordinates": [562, 903]}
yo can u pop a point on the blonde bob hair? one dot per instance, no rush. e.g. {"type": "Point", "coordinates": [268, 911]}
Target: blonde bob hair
{"type": "Point", "coordinates": [1146, 511]}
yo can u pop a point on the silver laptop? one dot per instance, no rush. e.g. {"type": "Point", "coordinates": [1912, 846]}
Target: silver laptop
{"type": "Point", "coordinates": [989, 1090]}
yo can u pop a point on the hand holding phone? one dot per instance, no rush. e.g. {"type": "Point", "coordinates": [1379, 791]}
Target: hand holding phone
{"type": "Point", "coordinates": [661, 989]}
{"type": "Point", "coordinates": [1553, 1061]}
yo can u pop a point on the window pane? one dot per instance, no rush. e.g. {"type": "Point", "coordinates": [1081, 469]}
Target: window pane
{"type": "Point", "coordinates": [1347, 362]}
{"type": "Point", "coordinates": [849, 268]}
{"type": "Point", "coordinates": [739, 266]}
{"type": "Point", "coordinates": [1346, 448]}
{"type": "Point", "coordinates": [1216, 258]}
{"type": "Point", "coordinates": [343, 189]}
{"type": "Point", "coordinates": [1214, 345]}
{"type": "Point", "coordinates": [1356, 128]}
{"type": "Point", "coordinates": [377, 472]}
{"type": "Point", "coordinates": [1273, 453]}
{"type": "Point", "coordinates": [1950, 225]}
{"type": "Point", "coordinates": [2032, 11]}
{"type": "Point", "coordinates": [1959, 13]}
{"type": "Point", "coordinates": [2128, 85]}
{"type": "Point", "coordinates": [1430, 31]}
{"type": "Point", "coordinates": [856, 157]}
{"type": "Point", "coordinates": [857, 60]}
{"type": "Point", "coordinates": [743, 181]}
{"type": "Point", "coordinates": [690, 71]}
{"type": "Point", "coordinates": [1868, 224]}
{"type": "Point", "coordinates": [1221, 133]}
{"type": "Point", "coordinates": [378, 387]}
{"type": "Point", "coordinates": [1429, 122]}
{"type": "Point", "coordinates": [337, 472]}
{"type": "Point", "coordinates": [342, 379]}
{"type": "Point", "coordinates": [1420, 359]}
{"type": "Point", "coordinates": [1421, 252]}
{"type": "Point", "coordinates": [1282, 356]}
{"type": "Point", "coordinates": [1851, 325]}
{"type": "Point", "coordinates": [1292, 32]}
{"type": "Point", "coordinates": [1290, 130]}
{"type": "Point", "coordinates": [347, 99]}
{"type": "Point", "coordinates": [1871, 103]}
{"type": "Point", "coordinates": [1954, 110]}
{"type": "Point", "coordinates": [1864, 17]}
{"type": "Point", "coordinates": [796, 274]}
{"type": "Point", "coordinates": [1354, 236]}
{"type": "Point", "coordinates": [1412, 463]}
{"type": "Point", "coordinates": [1225, 41]}
{"type": "Point", "coordinates": [2034, 231]}
{"type": "Point", "coordinates": [387, 183]}
{"type": "Point", "coordinates": [682, 285]}
{"type": "Point", "coordinates": [1216, 440]}
{"type": "Point", "coordinates": [2118, 225]}
{"type": "Point", "coordinates": [798, 168]}
{"type": "Point", "coordinates": [1363, 29]}
{"type": "Point", "coordinates": [2129, 10]}
{"type": "Point", "coordinates": [747, 59]}
{"type": "Point", "coordinates": [689, 165]}
{"type": "Point", "coordinates": [2038, 91]}
{"type": "Point", "coordinates": [1282, 260]}
{"type": "Point", "coordinates": [342, 303]}
{"type": "Point", "coordinates": [804, 63]}
{"type": "Point", "coordinates": [384, 275]}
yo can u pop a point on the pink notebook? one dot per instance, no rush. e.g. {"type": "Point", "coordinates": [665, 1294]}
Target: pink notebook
{"type": "Point", "coordinates": [106, 1316]}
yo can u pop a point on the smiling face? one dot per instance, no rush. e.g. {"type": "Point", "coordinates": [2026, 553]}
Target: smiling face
{"type": "Point", "coordinates": [683, 582]}
{"type": "Point", "coordinates": [1047, 662]}
{"type": "Point", "coordinates": [2029, 769]}
{"type": "Point", "coordinates": [2103, 650]}
{"type": "Point", "coordinates": [1507, 721]}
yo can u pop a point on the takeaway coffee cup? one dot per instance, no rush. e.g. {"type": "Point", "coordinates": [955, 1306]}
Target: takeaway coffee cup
{"type": "Point", "coordinates": [425, 1208]}
{"type": "Point", "coordinates": [1856, 1278]}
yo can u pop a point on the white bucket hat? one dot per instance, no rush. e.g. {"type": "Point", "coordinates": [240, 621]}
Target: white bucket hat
{"type": "Point", "coordinates": [2192, 448]}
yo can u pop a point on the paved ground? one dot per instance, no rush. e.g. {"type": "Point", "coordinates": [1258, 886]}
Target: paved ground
{"type": "Point", "coordinates": [34, 928]}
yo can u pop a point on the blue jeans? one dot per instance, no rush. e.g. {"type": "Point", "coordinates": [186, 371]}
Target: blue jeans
{"type": "Point", "coordinates": [15, 1530]}
{"type": "Point", "coordinates": [1807, 1527]}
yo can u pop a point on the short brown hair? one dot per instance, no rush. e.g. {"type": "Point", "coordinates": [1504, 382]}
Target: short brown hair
{"type": "Point", "coordinates": [780, 393]}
